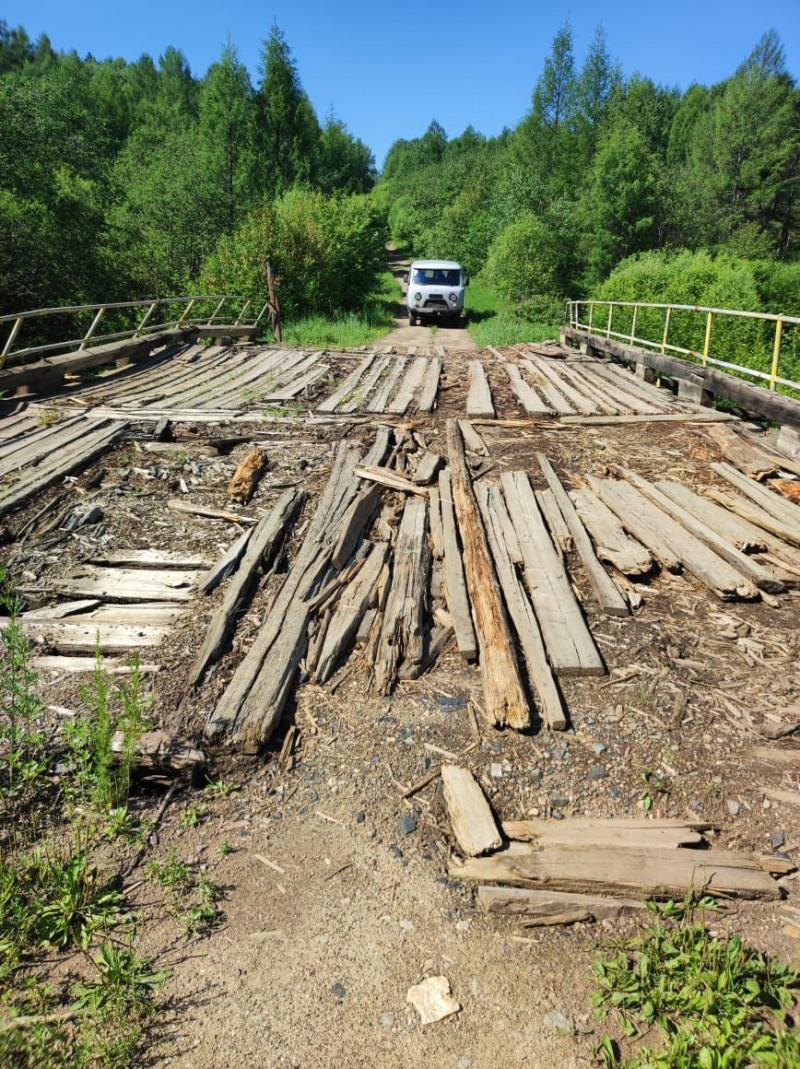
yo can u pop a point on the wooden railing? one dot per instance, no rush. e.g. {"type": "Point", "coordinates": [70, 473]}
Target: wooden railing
{"type": "Point", "coordinates": [598, 317]}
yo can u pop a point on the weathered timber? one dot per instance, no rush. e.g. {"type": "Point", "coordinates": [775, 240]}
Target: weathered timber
{"type": "Point", "coordinates": [784, 511]}
{"type": "Point", "coordinates": [77, 634]}
{"type": "Point", "coordinates": [636, 833]}
{"type": "Point", "coordinates": [609, 597]}
{"type": "Point", "coordinates": [611, 543]}
{"type": "Point", "coordinates": [350, 610]}
{"type": "Point", "coordinates": [570, 646]}
{"type": "Point", "coordinates": [226, 565]}
{"type": "Point", "coordinates": [82, 665]}
{"type": "Point", "coordinates": [627, 386]}
{"type": "Point", "coordinates": [504, 695]}
{"type": "Point", "coordinates": [546, 501]}
{"type": "Point", "coordinates": [620, 871]}
{"type": "Point", "coordinates": [390, 479]}
{"type": "Point", "coordinates": [471, 818]}
{"type": "Point", "coordinates": [378, 402]}
{"type": "Point", "coordinates": [160, 751]}
{"type": "Point", "coordinates": [359, 398]}
{"type": "Point", "coordinates": [265, 538]}
{"type": "Point", "coordinates": [354, 522]}
{"type": "Point", "coordinates": [128, 584]}
{"type": "Point", "coordinates": [409, 386]}
{"type": "Point", "coordinates": [756, 399]}
{"type": "Point", "coordinates": [150, 558]}
{"type": "Point", "coordinates": [427, 468]}
{"type": "Point", "coordinates": [752, 461]}
{"type": "Point", "coordinates": [207, 512]}
{"type": "Point", "coordinates": [498, 525]}
{"type": "Point", "coordinates": [576, 397]}
{"type": "Point", "coordinates": [348, 387]}
{"type": "Point", "coordinates": [552, 907]}
{"type": "Point", "coordinates": [402, 636]}
{"type": "Point", "coordinates": [430, 386]}
{"type": "Point", "coordinates": [479, 397]}
{"type": "Point", "coordinates": [472, 440]}
{"type": "Point", "coordinates": [636, 510]}
{"type": "Point", "coordinates": [659, 417]}
{"type": "Point", "coordinates": [435, 520]}
{"type": "Point", "coordinates": [549, 391]}
{"type": "Point", "coordinates": [455, 588]}
{"type": "Point", "coordinates": [526, 395]}
{"type": "Point", "coordinates": [753, 513]}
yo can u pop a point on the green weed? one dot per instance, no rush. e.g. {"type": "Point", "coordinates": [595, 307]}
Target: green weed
{"type": "Point", "coordinates": [715, 1003]}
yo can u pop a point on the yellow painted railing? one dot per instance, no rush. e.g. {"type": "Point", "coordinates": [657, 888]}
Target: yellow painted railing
{"type": "Point", "coordinates": [584, 315]}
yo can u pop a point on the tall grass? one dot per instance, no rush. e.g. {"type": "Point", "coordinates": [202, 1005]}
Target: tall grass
{"type": "Point", "coordinates": [348, 330]}
{"type": "Point", "coordinates": [494, 320]}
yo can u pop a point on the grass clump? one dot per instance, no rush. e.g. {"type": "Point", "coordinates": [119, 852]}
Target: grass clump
{"type": "Point", "coordinates": [709, 1001]}
{"type": "Point", "coordinates": [495, 320]}
{"type": "Point", "coordinates": [348, 330]}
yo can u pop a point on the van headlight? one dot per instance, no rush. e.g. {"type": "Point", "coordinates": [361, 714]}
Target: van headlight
{"type": "Point", "coordinates": [417, 296]}
{"type": "Point", "coordinates": [454, 298]}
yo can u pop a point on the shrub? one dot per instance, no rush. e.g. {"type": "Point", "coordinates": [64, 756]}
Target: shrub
{"type": "Point", "coordinates": [529, 257]}
{"type": "Point", "coordinates": [325, 253]}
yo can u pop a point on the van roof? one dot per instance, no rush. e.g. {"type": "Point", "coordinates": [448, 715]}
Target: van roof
{"type": "Point", "coordinates": [436, 263]}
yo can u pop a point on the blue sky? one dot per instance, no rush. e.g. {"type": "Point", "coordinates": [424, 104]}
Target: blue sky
{"type": "Point", "coordinates": [387, 69]}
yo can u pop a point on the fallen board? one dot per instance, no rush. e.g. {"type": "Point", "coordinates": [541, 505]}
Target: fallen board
{"type": "Point", "coordinates": [479, 397]}
{"type": "Point", "coordinates": [611, 543]}
{"type": "Point", "coordinates": [471, 817]}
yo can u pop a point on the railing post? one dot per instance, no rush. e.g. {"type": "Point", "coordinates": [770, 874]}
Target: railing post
{"type": "Point", "coordinates": [215, 313]}
{"type": "Point", "coordinates": [608, 325]}
{"type": "Point", "coordinates": [591, 315]}
{"type": "Point", "coordinates": [707, 343]}
{"type": "Point", "coordinates": [91, 329]}
{"type": "Point", "coordinates": [11, 339]}
{"type": "Point", "coordinates": [666, 329]}
{"type": "Point", "coordinates": [186, 311]}
{"type": "Point", "coordinates": [633, 323]}
{"type": "Point", "coordinates": [247, 304]}
{"type": "Point", "coordinates": [776, 353]}
{"type": "Point", "coordinates": [149, 312]}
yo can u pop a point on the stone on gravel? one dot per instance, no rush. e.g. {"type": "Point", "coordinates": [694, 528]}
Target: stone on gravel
{"type": "Point", "coordinates": [777, 839]}
{"type": "Point", "coordinates": [598, 772]}
{"type": "Point", "coordinates": [339, 990]}
{"type": "Point", "coordinates": [733, 807]}
{"type": "Point", "coordinates": [599, 748]}
{"type": "Point", "coordinates": [558, 1020]}
{"type": "Point", "coordinates": [432, 999]}
{"type": "Point", "coordinates": [407, 824]}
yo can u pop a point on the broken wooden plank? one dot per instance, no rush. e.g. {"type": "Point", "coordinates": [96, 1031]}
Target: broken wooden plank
{"type": "Point", "coordinates": [504, 695]}
{"type": "Point", "coordinates": [748, 510]}
{"type": "Point", "coordinates": [552, 907]}
{"type": "Point", "coordinates": [150, 558]}
{"type": "Point", "coordinates": [455, 588]}
{"type": "Point", "coordinates": [76, 634]}
{"type": "Point", "coordinates": [390, 479]}
{"type": "Point", "coordinates": [471, 818]}
{"type": "Point", "coordinates": [498, 526]}
{"type": "Point", "coordinates": [472, 440]}
{"type": "Point", "coordinates": [350, 611]}
{"type": "Point", "coordinates": [430, 386]}
{"type": "Point", "coordinates": [128, 584]}
{"type": "Point", "coordinates": [636, 518]}
{"type": "Point", "coordinates": [570, 646]}
{"type": "Point", "coordinates": [348, 387]}
{"type": "Point", "coordinates": [546, 501]}
{"type": "Point", "coordinates": [611, 543]}
{"type": "Point", "coordinates": [353, 523]}
{"type": "Point", "coordinates": [358, 398]}
{"type": "Point", "coordinates": [427, 468]}
{"type": "Point", "coordinates": [753, 462]}
{"type": "Point", "coordinates": [787, 514]}
{"type": "Point", "coordinates": [526, 395]}
{"type": "Point", "coordinates": [207, 512]}
{"type": "Point", "coordinates": [226, 565]}
{"type": "Point", "coordinates": [247, 476]}
{"type": "Point", "coordinates": [551, 393]}
{"type": "Point", "coordinates": [265, 537]}
{"type": "Point", "coordinates": [409, 386]}
{"type": "Point", "coordinates": [750, 569]}
{"type": "Point", "coordinates": [378, 402]}
{"type": "Point", "coordinates": [580, 401]}
{"type": "Point", "coordinates": [658, 417]}
{"type": "Point", "coordinates": [611, 601]}
{"type": "Point", "coordinates": [479, 396]}
{"type": "Point", "coordinates": [622, 872]}
{"type": "Point", "coordinates": [636, 833]}
{"type": "Point", "coordinates": [401, 643]}
{"type": "Point", "coordinates": [83, 665]}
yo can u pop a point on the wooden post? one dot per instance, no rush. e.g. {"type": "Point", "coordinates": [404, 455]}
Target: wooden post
{"type": "Point", "coordinates": [274, 305]}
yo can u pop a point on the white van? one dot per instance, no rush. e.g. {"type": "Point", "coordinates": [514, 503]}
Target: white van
{"type": "Point", "coordinates": [435, 290]}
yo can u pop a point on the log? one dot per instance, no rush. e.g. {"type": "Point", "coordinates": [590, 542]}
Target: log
{"type": "Point", "coordinates": [620, 871]}
{"type": "Point", "coordinates": [455, 587]}
{"type": "Point", "coordinates": [471, 818]}
{"type": "Point", "coordinates": [498, 525]}
{"type": "Point", "coordinates": [263, 542]}
{"type": "Point", "coordinates": [570, 646]}
{"type": "Point", "coordinates": [247, 476]}
{"type": "Point", "coordinates": [479, 397]}
{"type": "Point", "coordinates": [611, 543]}
{"type": "Point", "coordinates": [611, 601]}
{"type": "Point", "coordinates": [504, 696]}
{"type": "Point", "coordinates": [401, 643]}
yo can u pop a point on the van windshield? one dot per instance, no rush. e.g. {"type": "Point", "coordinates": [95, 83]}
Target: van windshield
{"type": "Point", "coordinates": [436, 276]}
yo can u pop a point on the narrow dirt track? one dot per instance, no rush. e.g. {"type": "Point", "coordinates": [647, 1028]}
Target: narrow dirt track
{"type": "Point", "coordinates": [455, 339]}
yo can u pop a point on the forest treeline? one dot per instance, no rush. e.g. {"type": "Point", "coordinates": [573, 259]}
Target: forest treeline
{"type": "Point", "coordinates": [618, 187]}
{"type": "Point", "coordinates": [134, 179]}
{"type": "Point", "coordinates": [122, 180]}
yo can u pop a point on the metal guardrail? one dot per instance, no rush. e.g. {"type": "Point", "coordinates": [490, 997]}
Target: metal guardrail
{"type": "Point", "coordinates": [663, 344]}
{"type": "Point", "coordinates": [219, 316]}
